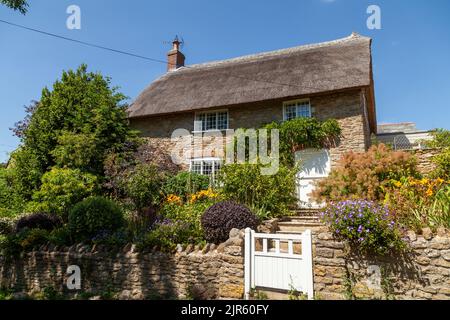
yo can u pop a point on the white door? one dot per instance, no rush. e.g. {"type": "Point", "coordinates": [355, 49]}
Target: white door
{"type": "Point", "coordinates": [314, 165]}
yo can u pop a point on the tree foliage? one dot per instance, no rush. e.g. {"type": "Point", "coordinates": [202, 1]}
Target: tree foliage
{"type": "Point", "coordinates": [245, 184]}
{"type": "Point", "coordinates": [61, 189]}
{"type": "Point", "coordinates": [75, 125]}
{"type": "Point", "coordinates": [18, 5]}
{"type": "Point", "coordinates": [441, 140]}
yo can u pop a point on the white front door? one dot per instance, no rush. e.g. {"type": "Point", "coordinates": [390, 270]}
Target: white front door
{"type": "Point", "coordinates": [314, 165]}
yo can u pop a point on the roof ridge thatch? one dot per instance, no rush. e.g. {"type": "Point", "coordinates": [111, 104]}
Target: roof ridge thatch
{"type": "Point", "coordinates": [273, 53]}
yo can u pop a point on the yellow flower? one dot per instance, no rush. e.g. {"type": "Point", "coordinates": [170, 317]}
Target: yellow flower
{"type": "Point", "coordinates": [172, 198]}
{"type": "Point", "coordinates": [398, 184]}
{"type": "Point", "coordinates": [439, 180]}
{"type": "Point", "coordinates": [429, 192]}
{"type": "Point", "coordinates": [424, 181]}
{"type": "Point", "coordinates": [203, 194]}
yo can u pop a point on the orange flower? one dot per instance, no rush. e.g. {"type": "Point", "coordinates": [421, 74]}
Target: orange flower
{"type": "Point", "coordinates": [201, 195]}
{"type": "Point", "coordinates": [172, 198]}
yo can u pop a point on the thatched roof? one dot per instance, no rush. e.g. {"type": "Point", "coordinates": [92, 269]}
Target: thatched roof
{"type": "Point", "coordinates": [303, 70]}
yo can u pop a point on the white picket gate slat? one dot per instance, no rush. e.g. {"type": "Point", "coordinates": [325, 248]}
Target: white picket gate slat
{"type": "Point", "coordinates": [272, 268]}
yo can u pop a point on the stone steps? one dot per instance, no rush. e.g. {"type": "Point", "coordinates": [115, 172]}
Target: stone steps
{"type": "Point", "coordinates": [303, 220]}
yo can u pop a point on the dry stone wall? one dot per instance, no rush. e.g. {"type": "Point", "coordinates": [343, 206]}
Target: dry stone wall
{"type": "Point", "coordinates": [424, 158]}
{"type": "Point", "coordinates": [217, 272]}
{"type": "Point", "coordinates": [422, 273]}
{"type": "Point", "coordinates": [209, 272]}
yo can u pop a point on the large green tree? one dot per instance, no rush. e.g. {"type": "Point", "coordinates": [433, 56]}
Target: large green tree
{"type": "Point", "coordinates": [75, 125]}
{"type": "Point", "coordinates": [20, 5]}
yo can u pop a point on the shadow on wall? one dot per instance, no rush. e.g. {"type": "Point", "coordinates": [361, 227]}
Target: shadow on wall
{"type": "Point", "coordinates": [382, 277]}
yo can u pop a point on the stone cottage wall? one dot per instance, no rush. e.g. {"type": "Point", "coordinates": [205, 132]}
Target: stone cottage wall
{"type": "Point", "coordinates": [423, 273]}
{"type": "Point", "coordinates": [212, 271]}
{"type": "Point", "coordinates": [346, 107]}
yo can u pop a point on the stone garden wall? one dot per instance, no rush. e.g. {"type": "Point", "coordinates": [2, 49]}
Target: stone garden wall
{"type": "Point", "coordinates": [217, 272]}
{"type": "Point", "coordinates": [209, 272]}
{"type": "Point", "coordinates": [424, 159]}
{"type": "Point", "coordinates": [423, 273]}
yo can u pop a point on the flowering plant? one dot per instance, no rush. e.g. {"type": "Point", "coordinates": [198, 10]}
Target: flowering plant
{"type": "Point", "coordinates": [419, 202]}
{"type": "Point", "coordinates": [365, 225]}
{"type": "Point", "coordinates": [174, 199]}
{"type": "Point", "coordinates": [203, 195]}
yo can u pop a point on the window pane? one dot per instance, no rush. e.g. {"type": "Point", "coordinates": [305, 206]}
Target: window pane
{"type": "Point", "coordinates": [211, 121]}
{"type": "Point", "coordinates": [217, 166]}
{"type": "Point", "coordinates": [222, 120]}
{"type": "Point", "coordinates": [196, 167]}
{"type": "Point", "coordinates": [290, 112]}
{"type": "Point", "coordinates": [303, 110]}
{"type": "Point", "coordinates": [297, 110]}
{"type": "Point", "coordinates": [207, 168]}
{"type": "Point", "coordinates": [200, 122]}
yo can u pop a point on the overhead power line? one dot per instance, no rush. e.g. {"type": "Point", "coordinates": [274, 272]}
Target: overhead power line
{"type": "Point", "coordinates": [93, 45]}
{"type": "Point", "coordinates": [82, 42]}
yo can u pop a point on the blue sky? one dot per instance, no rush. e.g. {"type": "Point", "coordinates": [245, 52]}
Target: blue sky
{"type": "Point", "coordinates": [411, 52]}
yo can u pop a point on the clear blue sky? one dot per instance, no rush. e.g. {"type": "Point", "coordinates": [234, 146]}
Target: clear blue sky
{"type": "Point", "coordinates": [411, 51]}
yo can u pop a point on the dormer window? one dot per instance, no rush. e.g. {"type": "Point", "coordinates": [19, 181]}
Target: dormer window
{"type": "Point", "coordinates": [211, 121]}
{"type": "Point", "coordinates": [297, 109]}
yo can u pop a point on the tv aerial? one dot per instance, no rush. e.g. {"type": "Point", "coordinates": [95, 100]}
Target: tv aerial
{"type": "Point", "coordinates": [180, 40]}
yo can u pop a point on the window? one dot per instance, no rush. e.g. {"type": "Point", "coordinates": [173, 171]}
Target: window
{"type": "Point", "coordinates": [209, 121]}
{"type": "Point", "coordinates": [207, 166]}
{"type": "Point", "coordinates": [297, 109]}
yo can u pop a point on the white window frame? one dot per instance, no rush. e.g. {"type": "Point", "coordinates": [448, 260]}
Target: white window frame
{"type": "Point", "coordinates": [203, 160]}
{"type": "Point", "coordinates": [216, 112]}
{"type": "Point", "coordinates": [298, 101]}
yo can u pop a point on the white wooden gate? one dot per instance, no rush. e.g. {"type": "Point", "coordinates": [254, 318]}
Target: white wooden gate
{"type": "Point", "coordinates": [278, 261]}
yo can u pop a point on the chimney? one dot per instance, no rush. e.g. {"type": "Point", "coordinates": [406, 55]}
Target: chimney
{"type": "Point", "coordinates": [175, 59]}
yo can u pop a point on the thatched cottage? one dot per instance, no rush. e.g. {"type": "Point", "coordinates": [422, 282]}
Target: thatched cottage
{"type": "Point", "coordinates": [325, 80]}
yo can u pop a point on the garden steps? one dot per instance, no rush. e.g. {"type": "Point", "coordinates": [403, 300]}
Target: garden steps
{"type": "Point", "coordinates": [303, 220]}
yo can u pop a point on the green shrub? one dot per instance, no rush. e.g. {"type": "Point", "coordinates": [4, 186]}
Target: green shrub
{"type": "Point", "coordinates": [185, 183]}
{"type": "Point", "coordinates": [219, 219]}
{"type": "Point", "coordinates": [166, 234]}
{"type": "Point", "coordinates": [367, 227]}
{"type": "Point", "coordinates": [436, 214]}
{"type": "Point", "coordinates": [142, 185]}
{"type": "Point", "coordinates": [61, 189]}
{"type": "Point", "coordinates": [11, 204]}
{"type": "Point", "coordinates": [6, 294]}
{"type": "Point", "coordinates": [441, 140]}
{"type": "Point", "coordinates": [190, 214]}
{"type": "Point", "coordinates": [271, 194]}
{"type": "Point", "coordinates": [30, 238]}
{"type": "Point", "coordinates": [94, 215]}
{"type": "Point", "coordinates": [6, 226]}
{"type": "Point", "coordinates": [60, 237]}
{"type": "Point", "coordinates": [302, 133]}
{"type": "Point", "coordinates": [117, 238]}
{"type": "Point", "coordinates": [27, 239]}
{"type": "Point", "coordinates": [419, 203]}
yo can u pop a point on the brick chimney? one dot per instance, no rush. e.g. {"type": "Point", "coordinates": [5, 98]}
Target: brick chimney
{"type": "Point", "coordinates": [175, 58]}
